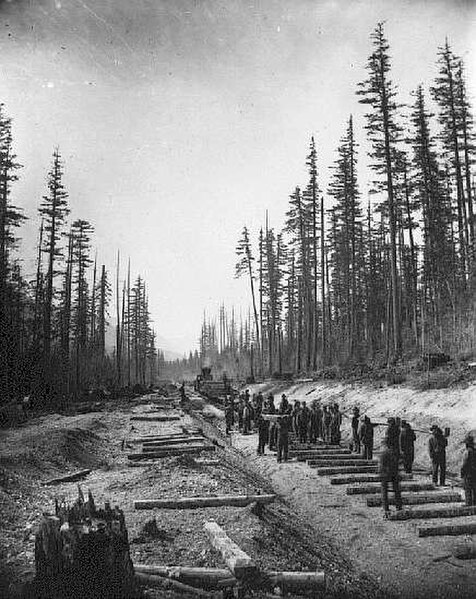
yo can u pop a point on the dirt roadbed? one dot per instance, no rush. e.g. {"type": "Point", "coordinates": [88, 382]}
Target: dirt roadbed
{"type": "Point", "coordinates": [281, 538]}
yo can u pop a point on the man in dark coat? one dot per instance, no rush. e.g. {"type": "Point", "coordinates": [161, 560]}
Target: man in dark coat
{"type": "Point", "coordinates": [327, 420]}
{"type": "Point", "coordinates": [247, 415]}
{"type": "Point", "coordinates": [355, 430]}
{"type": "Point", "coordinates": [283, 426]}
{"type": "Point", "coordinates": [273, 430]}
{"type": "Point", "coordinates": [407, 446]}
{"type": "Point", "coordinates": [295, 415]}
{"type": "Point", "coordinates": [437, 450]}
{"type": "Point", "coordinates": [468, 471]}
{"type": "Point", "coordinates": [229, 416]}
{"type": "Point", "coordinates": [313, 423]}
{"type": "Point", "coordinates": [392, 436]}
{"type": "Point", "coordinates": [336, 422]}
{"type": "Point", "coordinates": [367, 437]}
{"type": "Point", "coordinates": [303, 422]}
{"type": "Point", "coordinates": [263, 433]}
{"type": "Point", "coordinates": [388, 471]}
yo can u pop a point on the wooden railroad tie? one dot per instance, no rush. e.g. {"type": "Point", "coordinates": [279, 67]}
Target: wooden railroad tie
{"type": "Point", "coordinates": [416, 499]}
{"type": "Point", "coordinates": [338, 462]}
{"type": "Point", "coordinates": [363, 478]}
{"type": "Point", "coordinates": [199, 502]}
{"type": "Point", "coordinates": [155, 418]}
{"type": "Point", "coordinates": [447, 529]}
{"type": "Point", "coordinates": [164, 453]}
{"type": "Point", "coordinates": [438, 512]}
{"type": "Point", "coordinates": [375, 488]}
{"type": "Point", "coordinates": [348, 470]}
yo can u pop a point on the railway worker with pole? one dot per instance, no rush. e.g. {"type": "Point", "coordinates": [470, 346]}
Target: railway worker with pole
{"type": "Point", "coordinates": [326, 420]}
{"type": "Point", "coordinates": [303, 422]}
{"type": "Point", "coordinates": [336, 423]}
{"type": "Point", "coordinates": [355, 430]}
{"type": "Point", "coordinates": [273, 431]}
{"type": "Point", "coordinates": [388, 471]}
{"type": "Point", "coordinates": [366, 434]}
{"type": "Point", "coordinates": [283, 425]}
{"type": "Point", "coordinates": [313, 423]}
{"type": "Point", "coordinates": [437, 450]}
{"type": "Point", "coordinates": [407, 446]}
{"type": "Point", "coordinates": [468, 471]}
{"type": "Point", "coordinates": [392, 436]}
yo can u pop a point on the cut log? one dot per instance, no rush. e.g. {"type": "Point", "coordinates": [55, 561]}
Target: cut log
{"type": "Point", "coordinates": [417, 499]}
{"type": "Point", "coordinates": [203, 577]}
{"type": "Point", "coordinates": [165, 442]}
{"type": "Point", "coordinates": [172, 447]}
{"type": "Point", "coordinates": [297, 580]}
{"type": "Point", "coordinates": [369, 489]}
{"type": "Point", "coordinates": [239, 563]}
{"type": "Point", "coordinates": [175, 585]}
{"type": "Point", "coordinates": [141, 464]}
{"type": "Point", "coordinates": [169, 452]}
{"type": "Point", "coordinates": [338, 462]}
{"type": "Point", "coordinates": [326, 454]}
{"type": "Point", "coordinates": [314, 451]}
{"type": "Point", "coordinates": [448, 529]}
{"type": "Point", "coordinates": [164, 439]}
{"type": "Point", "coordinates": [347, 470]}
{"type": "Point", "coordinates": [362, 478]}
{"type": "Point", "coordinates": [442, 512]}
{"type": "Point", "coordinates": [155, 418]}
{"type": "Point", "coordinates": [198, 502]}
{"type": "Point", "coordinates": [67, 478]}
{"type": "Point", "coordinates": [83, 552]}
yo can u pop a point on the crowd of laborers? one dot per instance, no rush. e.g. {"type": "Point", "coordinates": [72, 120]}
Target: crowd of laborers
{"type": "Point", "coordinates": [316, 422]}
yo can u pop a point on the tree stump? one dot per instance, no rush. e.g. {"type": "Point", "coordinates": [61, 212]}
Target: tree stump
{"type": "Point", "coordinates": [83, 551]}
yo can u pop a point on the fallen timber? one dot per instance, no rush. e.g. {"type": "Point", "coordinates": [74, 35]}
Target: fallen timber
{"type": "Point", "coordinates": [165, 440]}
{"type": "Point", "coordinates": [347, 470]}
{"type": "Point", "coordinates": [199, 502]}
{"type": "Point", "coordinates": [67, 478]}
{"type": "Point", "coordinates": [172, 447]}
{"type": "Point", "coordinates": [163, 453]}
{"type": "Point", "coordinates": [155, 418]}
{"type": "Point", "coordinates": [327, 453]}
{"type": "Point", "coordinates": [338, 462]}
{"type": "Point", "coordinates": [418, 499]}
{"type": "Point", "coordinates": [219, 577]}
{"type": "Point", "coordinates": [447, 530]}
{"type": "Point", "coordinates": [239, 563]}
{"type": "Point", "coordinates": [364, 478]}
{"type": "Point", "coordinates": [450, 512]}
{"type": "Point", "coordinates": [175, 585]}
{"type": "Point", "coordinates": [369, 489]}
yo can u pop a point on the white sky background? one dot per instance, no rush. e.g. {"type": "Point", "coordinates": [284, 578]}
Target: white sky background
{"type": "Point", "coordinates": [180, 121]}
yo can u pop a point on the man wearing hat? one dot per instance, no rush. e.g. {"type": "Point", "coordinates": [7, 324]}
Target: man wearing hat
{"type": "Point", "coordinates": [355, 430]}
{"type": "Point", "coordinates": [388, 471]}
{"type": "Point", "coordinates": [437, 450]}
{"type": "Point", "coordinates": [407, 446]}
{"type": "Point", "coordinates": [468, 471]}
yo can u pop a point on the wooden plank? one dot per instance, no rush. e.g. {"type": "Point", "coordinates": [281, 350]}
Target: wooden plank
{"type": "Point", "coordinates": [442, 512]}
{"type": "Point", "coordinates": [169, 452]}
{"type": "Point", "coordinates": [297, 580]}
{"type": "Point", "coordinates": [417, 499]}
{"type": "Point", "coordinates": [346, 470]}
{"type": "Point", "coordinates": [156, 448]}
{"type": "Point", "coordinates": [362, 478]}
{"type": "Point", "coordinates": [337, 462]}
{"type": "Point", "coordinates": [155, 418]}
{"type": "Point", "coordinates": [67, 478]}
{"type": "Point", "coordinates": [175, 585]}
{"type": "Point", "coordinates": [199, 502]}
{"type": "Point", "coordinates": [164, 438]}
{"type": "Point", "coordinates": [448, 529]}
{"type": "Point", "coordinates": [239, 563]}
{"type": "Point", "coordinates": [369, 489]}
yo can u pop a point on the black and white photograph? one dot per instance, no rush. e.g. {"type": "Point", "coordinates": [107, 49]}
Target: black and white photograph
{"type": "Point", "coordinates": [237, 299]}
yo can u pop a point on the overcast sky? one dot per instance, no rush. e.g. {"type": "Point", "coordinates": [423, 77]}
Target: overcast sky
{"type": "Point", "coordinates": [180, 121]}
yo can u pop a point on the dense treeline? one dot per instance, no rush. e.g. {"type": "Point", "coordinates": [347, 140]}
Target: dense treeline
{"type": "Point", "coordinates": [348, 281]}
{"type": "Point", "coordinates": [53, 325]}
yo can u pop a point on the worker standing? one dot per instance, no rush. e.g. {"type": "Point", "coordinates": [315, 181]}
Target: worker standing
{"type": "Point", "coordinates": [355, 430]}
{"type": "Point", "coordinates": [392, 436]}
{"type": "Point", "coordinates": [303, 422]}
{"type": "Point", "coordinates": [283, 426]}
{"type": "Point", "coordinates": [313, 423]}
{"type": "Point", "coordinates": [388, 471]}
{"type": "Point", "coordinates": [468, 471]}
{"type": "Point", "coordinates": [327, 419]}
{"type": "Point", "coordinates": [437, 450]}
{"type": "Point", "coordinates": [367, 438]}
{"type": "Point", "coordinates": [263, 432]}
{"type": "Point", "coordinates": [407, 446]}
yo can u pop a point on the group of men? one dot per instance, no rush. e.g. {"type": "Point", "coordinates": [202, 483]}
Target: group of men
{"type": "Point", "coordinates": [275, 423]}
